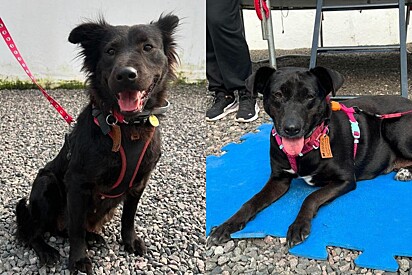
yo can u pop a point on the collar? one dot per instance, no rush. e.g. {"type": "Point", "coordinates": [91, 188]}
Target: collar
{"type": "Point", "coordinates": [115, 118]}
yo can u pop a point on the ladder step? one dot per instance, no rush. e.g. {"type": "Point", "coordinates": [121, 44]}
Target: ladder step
{"type": "Point", "coordinates": [360, 7]}
{"type": "Point", "coordinates": [387, 48]}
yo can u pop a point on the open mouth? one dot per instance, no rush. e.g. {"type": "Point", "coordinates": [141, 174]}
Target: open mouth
{"type": "Point", "coordinates": [134, 101]}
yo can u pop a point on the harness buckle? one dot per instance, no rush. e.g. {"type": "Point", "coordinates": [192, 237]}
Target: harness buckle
{"type": "Point", "coordinates": [355, 129]}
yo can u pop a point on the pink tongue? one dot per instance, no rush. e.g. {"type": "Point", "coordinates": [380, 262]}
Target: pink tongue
{"type": "Point", "coordinates": [131, 101]}
{"type": "Point", "coordinates": [293, 146]}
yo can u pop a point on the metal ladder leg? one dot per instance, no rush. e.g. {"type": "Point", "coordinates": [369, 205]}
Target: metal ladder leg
{"type": "Point", "coordinates": [316, 33]}
{"type": "Point", "coordinates": [268, 35]}
{"type": "Point", "coordinates": [402, 43]}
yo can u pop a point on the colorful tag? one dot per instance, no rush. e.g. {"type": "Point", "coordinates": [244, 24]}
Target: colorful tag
{"type": "Point", "coordinates": [325, 151]}
{"type": "Point", "coordinates": [117, 137]}
{"type": "Point", "coordinates": [153, 121]}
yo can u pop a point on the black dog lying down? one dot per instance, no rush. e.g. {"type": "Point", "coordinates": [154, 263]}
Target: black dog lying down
{"type": "Point", "coordinates": [109, 155]}
{"type": "Point", "coordinates": [298, 102]}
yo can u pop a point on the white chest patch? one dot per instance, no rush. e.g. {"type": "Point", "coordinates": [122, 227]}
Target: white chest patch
{"type": "Point", "coordinates": [290, 171]}
{"type": "Point", "coordinates": [308, 180]}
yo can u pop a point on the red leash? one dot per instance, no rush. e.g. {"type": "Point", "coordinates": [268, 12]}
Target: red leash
{"type": "Point", "coordinates": [13, 48]}
{"type": "Point", "coordinates": [259, 5]}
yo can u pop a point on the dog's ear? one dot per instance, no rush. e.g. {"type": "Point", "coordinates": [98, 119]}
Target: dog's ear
{"type": "Point", "coordinates": [88, 34]}
{"type": "Point", "coordinates": [257, 82]}
{"type": "Point", "coordinates": [330, 80]}
{"type": "Point", "coordinates": [168, 24]}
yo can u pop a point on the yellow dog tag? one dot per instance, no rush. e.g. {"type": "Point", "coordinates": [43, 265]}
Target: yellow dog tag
{"type": "Point", "coordinates": [153, 121]}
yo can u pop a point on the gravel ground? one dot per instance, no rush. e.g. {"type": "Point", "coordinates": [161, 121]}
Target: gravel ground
{"type": "Point", "coordinates": [364, 74]}
{"type": "Point", "coordinates": [171, 213]}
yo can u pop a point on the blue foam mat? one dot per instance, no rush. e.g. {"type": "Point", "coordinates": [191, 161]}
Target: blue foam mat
{"type": "Point", "coordinates": [376, 218]}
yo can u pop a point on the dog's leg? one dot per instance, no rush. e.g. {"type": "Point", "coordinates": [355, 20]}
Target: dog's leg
{"type": "Point", "coordinates": [78, 198]}
{"type": "Point", "coordinates": [40, 215]}
{"type": "Point", "coordinates": [272, 191]}
{"type": "Point", "coordinates": [299, 230]}
{"type": "Point", "coordinates": [132, 243]}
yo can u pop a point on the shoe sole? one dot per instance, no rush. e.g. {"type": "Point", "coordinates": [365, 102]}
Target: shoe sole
{"type": "Point", "coordinates": [253, 118]}
{"type": "Point", "coordinates": [229, 109]}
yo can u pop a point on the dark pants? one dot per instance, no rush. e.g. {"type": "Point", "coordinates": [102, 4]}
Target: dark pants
{"type": "Point", "coordinates": [227, 53]}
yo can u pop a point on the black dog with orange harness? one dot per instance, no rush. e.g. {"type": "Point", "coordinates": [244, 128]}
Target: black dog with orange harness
{"type": "Point", "coordinates": [328, 144]}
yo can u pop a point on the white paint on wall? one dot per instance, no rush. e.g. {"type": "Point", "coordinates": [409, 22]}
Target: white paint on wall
{"type": "Point", "coordinates": [341, 28]}
{"type": "Point", "coordinates": [40, 29]}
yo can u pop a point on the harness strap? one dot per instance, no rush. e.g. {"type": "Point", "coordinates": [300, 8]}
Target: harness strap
{"type": "Point", "coordinates": [393, 115]}
{"type": "Point", "coordinates": [124, 164]}
{"type": "Point", "coordinates": [350, 111]}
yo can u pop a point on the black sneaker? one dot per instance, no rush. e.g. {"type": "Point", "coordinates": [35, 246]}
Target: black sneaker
{"type": "Point", "coordinates": [248, 108]}
{"type": "Point", "coordinates": [222, 106]}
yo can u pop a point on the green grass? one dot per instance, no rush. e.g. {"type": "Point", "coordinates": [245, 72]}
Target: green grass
{"type": "Point", "coordinates": [16, 84]}
{"type": "Point", "coordinates": [46, 84]}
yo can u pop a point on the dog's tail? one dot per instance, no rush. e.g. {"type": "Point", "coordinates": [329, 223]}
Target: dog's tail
{"type": "Point", "coordinates": [24, 221]}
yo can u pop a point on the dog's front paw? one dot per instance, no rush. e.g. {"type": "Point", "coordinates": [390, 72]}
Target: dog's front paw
{"type": "Point", "coordinates": [403, 175]}
{"type": "Point", "coordinates": [95, 238]}
{"type": "Point", "coordinates": [83, 265]}
{"type": "Point", "coordinates": [48, 255]}
{"type": "Point", "coordinates": [134, 244]}
{"type": "Point", "coordinates": [298, 232]}
{"type": "Point", "coordinates": [219, 234]}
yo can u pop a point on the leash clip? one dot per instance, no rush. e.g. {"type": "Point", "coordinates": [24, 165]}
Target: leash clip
{"type": "Point", "coordinates": [110, 116]}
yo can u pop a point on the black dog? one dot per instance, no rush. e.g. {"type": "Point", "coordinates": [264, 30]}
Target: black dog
{"type": "Point", "coordinates": [297, 100]}
{"type": "Point", "coordinates": [110, 153]}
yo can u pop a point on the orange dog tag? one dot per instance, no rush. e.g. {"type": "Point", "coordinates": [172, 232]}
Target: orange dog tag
{"type": "Point", "coordinates": [325, 151]}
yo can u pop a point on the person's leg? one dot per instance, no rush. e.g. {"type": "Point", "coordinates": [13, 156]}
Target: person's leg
{"type": "Point", "coordinates": [229, 45]}
{"type": "Point", "coordinates": [231, 52]}
{"type": "Point", "coordinates": [224, 101]}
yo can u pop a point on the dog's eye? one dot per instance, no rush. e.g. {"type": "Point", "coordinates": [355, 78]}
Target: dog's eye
{"type": "Point", "coordinates": [111, 51]}
{"type": "Point", "coordinates": [310, 96]}
{"type": "Point", "coordinates": [278, 95]}
{"type": "Point", "coordinates": [147, 47]}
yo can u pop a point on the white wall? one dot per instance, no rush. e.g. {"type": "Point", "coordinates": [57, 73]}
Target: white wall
{"type": "Point", "coordinates": [370, 27]}
{"type": "Point", "coordinates": [40, 29]}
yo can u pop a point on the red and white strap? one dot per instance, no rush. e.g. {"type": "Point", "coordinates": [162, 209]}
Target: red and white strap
{"type": "Point", "coordinates": [13, 48]}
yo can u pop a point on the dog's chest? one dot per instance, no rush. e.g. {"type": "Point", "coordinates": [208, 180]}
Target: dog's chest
{"type": "Point", "coordinates": [308, 179]}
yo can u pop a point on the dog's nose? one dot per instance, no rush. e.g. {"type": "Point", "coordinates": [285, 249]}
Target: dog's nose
{"type": "Point", "coordinates": [292, 129]}
{"type": "Point", "coordinates": [126, 75]}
